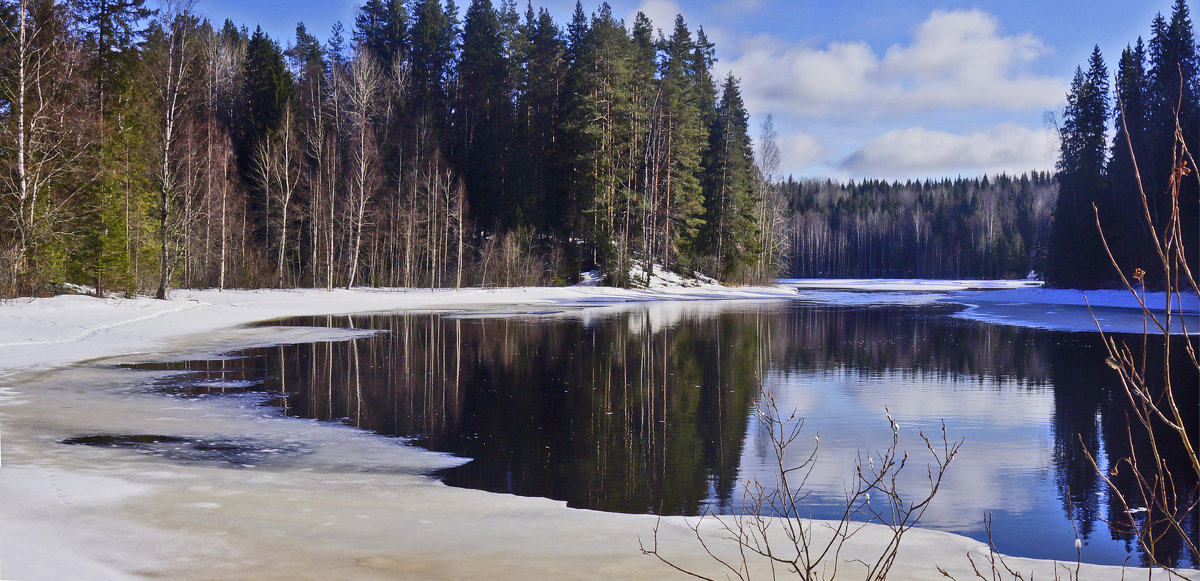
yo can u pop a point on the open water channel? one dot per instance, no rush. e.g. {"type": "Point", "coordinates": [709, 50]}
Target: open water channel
{"type": "Point", "coordinates": [651, 407]}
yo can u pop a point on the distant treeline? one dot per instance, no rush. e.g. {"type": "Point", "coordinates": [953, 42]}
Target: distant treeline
{"type": "Point", "coordinates": [960, 228]}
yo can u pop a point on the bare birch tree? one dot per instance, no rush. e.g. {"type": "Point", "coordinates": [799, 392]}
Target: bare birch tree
{"type": "Point", "coordinates": [169, 74]}
{"type": "Point", "coordinates": [44, 134]}
{"type": "Point", "coordinates": [362, 87]}
{"type": "Point", "coordinates": [223, 58]}
{"type": "Point", "coordinates": [277, 168]}
{"type": "Point", "coordinates": [771, 205]}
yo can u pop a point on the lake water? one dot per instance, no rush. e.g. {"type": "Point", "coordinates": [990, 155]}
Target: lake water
{"type": "Point", "coordinates": [651, 408]}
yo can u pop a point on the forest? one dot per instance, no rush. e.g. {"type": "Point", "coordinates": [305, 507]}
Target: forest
{"type": "Point", "coordinates": [962, 228]}
{"type": "Point", "coordinates": [142, 150]}
{"type": "Point", "coordinates": [150, 149]}
{"type": "Point", "coordinates": [1154, 99]}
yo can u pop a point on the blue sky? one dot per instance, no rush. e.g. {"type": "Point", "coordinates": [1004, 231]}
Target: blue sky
{"type": "Point", "coordinates": [891, 90]}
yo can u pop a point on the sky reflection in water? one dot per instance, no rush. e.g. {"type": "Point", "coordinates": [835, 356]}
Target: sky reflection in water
{"type": "Point", "coordinates": [649, 408]}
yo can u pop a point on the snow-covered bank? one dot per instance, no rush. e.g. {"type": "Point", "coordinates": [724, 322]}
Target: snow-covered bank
{"type": "Point", "coordinates": [905, 284]}
{"type": "Point", "coordinates": [42, 333]}
{"type": "Point", "coordinates": [340, 504]}
{"type": "Point", "coordinates": [1023, 303]}
{"type": "Point", "coordinates": [1114, 311]}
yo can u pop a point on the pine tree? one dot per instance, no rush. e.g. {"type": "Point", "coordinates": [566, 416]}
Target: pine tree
{"type": "Point", "coordinates": [645, 100]}
{"type": "Point", "coordinates": [612, 164]}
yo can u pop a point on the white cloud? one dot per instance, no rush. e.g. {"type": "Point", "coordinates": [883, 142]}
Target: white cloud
{"type": "Point", "coordinates": [660, 12]}
{"type": "Point", "coordinates": [956, 59]}
{"type": "Point", "coordinates": [798, 150]}
{"type": "Point", "coordinates": [737, 9]}
{"type": "Point", "coordinates": [917, 152]}
{"type": "Point", "coordinates": [959, 59]}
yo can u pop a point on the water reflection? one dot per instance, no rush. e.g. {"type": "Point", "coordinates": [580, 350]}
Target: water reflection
{"type": "Point", "coordinates": [648, 409]}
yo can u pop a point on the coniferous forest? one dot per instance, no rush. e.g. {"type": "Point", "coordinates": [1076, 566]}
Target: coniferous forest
{"type": "Point", "coordinates": [149, 149]}
{"type": "Point", "coordinates": [1157, 84]}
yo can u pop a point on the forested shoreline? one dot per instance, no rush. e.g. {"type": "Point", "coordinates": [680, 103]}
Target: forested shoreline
{"type": "Point", "coordinates": [149, 149]}
{"type": "Point", "coordinates": [1154, 95]}
{"type": "Point", "coordinates": [421, 148]}
{"type": "Point", "coordinates": [960, 228]}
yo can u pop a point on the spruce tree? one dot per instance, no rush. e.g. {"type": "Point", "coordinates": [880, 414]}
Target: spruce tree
{"type": "Point", "coordinates": [267, 90]}
{"type": "Point", "coordinates": [1077, 258]}
{"type": "Point", "coordinates": [730, 233]}
{"type": "Point", "coordinates": [1174, 87]}
{"type": "Point", "coordinates": [1121, 215]}
{"type": "Point", "coordinates": [682, 202]}
{"type": "Point", "coordinates": [482, 122]}
{"type": "Point", "coordinates": [574, 184]}
{"type": "Point", "coordinates": [113, 29]}
{"type": "Point", "coordinates": [382, 27]}
{"type": "Point", "coordinates": [267, 86]}
{"type": "Point", "coordinates": [703, 86]}
{"type": "Point", "coordinates": [103, 253]}
{"type": "Point", "coordinates": [542, 70]}
{"type": "Point", "coordinates": [433, 36]}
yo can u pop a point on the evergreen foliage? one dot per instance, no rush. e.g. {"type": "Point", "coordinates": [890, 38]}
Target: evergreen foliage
{"type": "Point", "coordinates": [112, 31]}
{"type": "Point", "coordinates": [1156, 88]}
{"type": "Point", "coordinates": [381, 26]}
{"type": "Point", "coordinates": [682, 97]}
{"type": "Point", "coordinates": [483, 111]}
{"type": "Point", "coordinates": [416, 149]}
{"type": "Point", "coordinates": [267, 90]}
{"type": "Point", "coordinates": [1076, 251]}
{"type": "Point", "coordinates": [730, 232]}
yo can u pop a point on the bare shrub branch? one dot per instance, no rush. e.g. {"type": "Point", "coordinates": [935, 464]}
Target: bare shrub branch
{"type": "Point", "coordinates": [776, 534]}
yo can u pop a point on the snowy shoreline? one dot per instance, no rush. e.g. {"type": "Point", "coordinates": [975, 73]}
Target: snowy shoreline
{"type": "Point", "coordinates": [50, 332]}
{"type": "Point", "coordinates": [1023, 303]}
{"type": "Point", "coordinates": [357, 506]}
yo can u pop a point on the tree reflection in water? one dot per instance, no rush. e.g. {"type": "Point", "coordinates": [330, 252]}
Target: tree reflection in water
{"type": "Point", "coordinates": [648, 409]}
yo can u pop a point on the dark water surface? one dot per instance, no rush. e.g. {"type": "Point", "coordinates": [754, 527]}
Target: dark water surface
{"type": "Point", "coordinates": [650, 408]}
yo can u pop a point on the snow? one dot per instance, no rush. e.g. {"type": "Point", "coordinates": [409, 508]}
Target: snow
{"type": "Point", "coordinates": [353, 505]}
{"type": "Point", "coordinates": [1024, 303]}
{"type": "Point", "coordinates": [909, 285]}
{"type": "Point", "coordinates": [1114, 311]}
{"type": "Point", "coordinates": [662, 278]}
{"type": "Point", "coordinates": [589, 278]}
{"type": "Point", "coordinates": [50, 332]}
